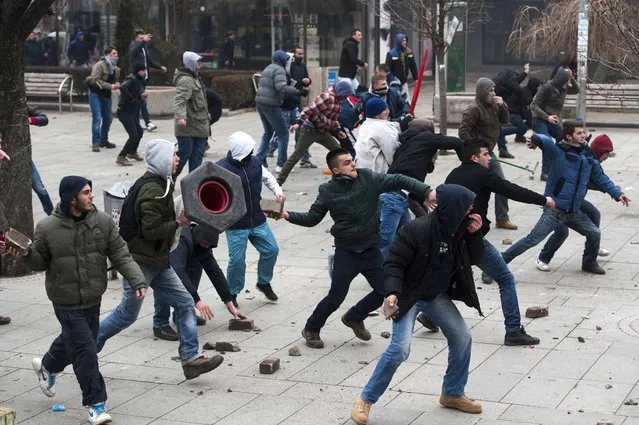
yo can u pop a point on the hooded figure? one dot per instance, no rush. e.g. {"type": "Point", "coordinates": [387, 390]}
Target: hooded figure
{"type": "Point", "coordinates": [78, 52]}
{"type": "Point", "coordinates": [550, 98]}
{"type": "Point", "coordinates": [483, 119]}
{"type": "Point", "coordinates": [159, 160]}
{"type": "Point", "coordinates": [400, 60]}
{"type": "Point", "coordinates": [274, 84]}
{"type": "Point", "coordinates": [190, 60]}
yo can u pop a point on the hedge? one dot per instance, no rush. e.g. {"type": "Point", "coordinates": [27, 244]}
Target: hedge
{"type": "Point", "coordinates": [236, 90]}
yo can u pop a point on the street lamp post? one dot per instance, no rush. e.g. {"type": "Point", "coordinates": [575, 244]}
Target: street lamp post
{"type": "Point", "coordinates": [582, 59]}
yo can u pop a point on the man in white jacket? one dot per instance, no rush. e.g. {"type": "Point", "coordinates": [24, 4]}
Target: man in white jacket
{"type": "Point", "coordinates": [378, 138]}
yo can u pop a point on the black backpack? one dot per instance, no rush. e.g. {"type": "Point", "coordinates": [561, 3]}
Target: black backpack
{"type": "Point", "coordinates": [129, 223]}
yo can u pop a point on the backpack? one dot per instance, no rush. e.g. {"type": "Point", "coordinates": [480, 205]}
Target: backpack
{"type": "Point", "coordinates": [129, 223]}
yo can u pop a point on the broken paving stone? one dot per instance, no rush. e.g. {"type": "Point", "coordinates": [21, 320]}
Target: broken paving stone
{"type": "Point", "coordinates": [598, 328]}
{"type": "Point", "coordinates": [270, 365]}
{"type": "Point", "coordinates": [605, 422]}
{"type": "Point", "coordinates": [241, 324]}
{"type": "Point", "coordinates": [228, 390]}
{"type": "Point", "coordinates": [208, 346]}
{"type": "Point", "coordinates": [581, 339]}
{"type": "Point", "coordinates": [507, 242]}
{"type": "Point", "coordinates": [536, 312]}
{"type": "Point", "coordinates": [385, 334]}
{"type": "Point", "coordinates": [608, 386]}
{"type": "Point", "coordinates": [294, 351]}
{"type": "Point", "coordinates": [631, 402]}
{"type": "Point", "coordinates": [363, 362]}
{"type": "Point", "coordinates": [227, 346]}
{"type": "Point", "coordinates": [200, 392]}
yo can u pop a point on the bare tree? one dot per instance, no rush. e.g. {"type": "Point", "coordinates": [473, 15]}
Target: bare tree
{"type": "Point", "coordinates": [17, 19]}
{"type": "Point", "coordinates": [428, 19]}
{"type": "Point", "coordinates": [613, 39]}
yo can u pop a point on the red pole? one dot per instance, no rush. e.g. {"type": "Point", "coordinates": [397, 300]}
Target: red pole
{"type": "Point", "coordinates": [418, 85]}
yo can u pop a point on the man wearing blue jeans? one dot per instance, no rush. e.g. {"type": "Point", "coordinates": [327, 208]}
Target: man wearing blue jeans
{"type": "Point", "coordinates": [156, 228]}
{"type": "Point", "coordinates": [104, 78]}
{"type": "Point", "coordinates": [428, 266]}
{"type": "Point", "coordinates": [253, 226]}
{"type": "Point", "coordinates": [571, 169]}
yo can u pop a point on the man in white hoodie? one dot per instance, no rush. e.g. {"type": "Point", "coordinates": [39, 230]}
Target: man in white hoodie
{"type": "Point", "coordinates": [149, 245]}
{"type": "Point", "coordinates": [378, 138]}
{"type": "Point", "coordinates": [253, 226]}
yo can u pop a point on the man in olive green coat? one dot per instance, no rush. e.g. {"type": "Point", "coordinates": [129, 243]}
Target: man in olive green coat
{"type": "Point", "coordinates": [72, 246]}
{"type": "Point", "coordinates": [192, 121]}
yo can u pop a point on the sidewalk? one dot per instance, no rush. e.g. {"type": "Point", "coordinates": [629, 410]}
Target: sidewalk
{"type": "Point", "coordinates": [561, 381]}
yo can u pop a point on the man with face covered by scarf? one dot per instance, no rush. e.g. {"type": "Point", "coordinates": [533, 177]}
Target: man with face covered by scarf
{"type": "Point", "coordinates": [427, 268]}
{"type": "Point", "coordinates": [105, 77]}
{"type": "Point", "coordinates": [482, 121]}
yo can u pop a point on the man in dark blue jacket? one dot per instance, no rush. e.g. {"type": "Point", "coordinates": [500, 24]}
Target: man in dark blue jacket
{"type": "Point", "coordinates": [397, 107]}
{"type": "Point", "coordinates": [401, 61]}
{"type": "Point", "coordinates": [571, 169]}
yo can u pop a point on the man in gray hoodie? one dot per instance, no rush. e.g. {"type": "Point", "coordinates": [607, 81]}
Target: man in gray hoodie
{"type": "Point", "coordinates": [157, 226]}
{"type": "Point", "coordinates": [270, 96]}
{"type": "Point", "coordinates": [192, 124]}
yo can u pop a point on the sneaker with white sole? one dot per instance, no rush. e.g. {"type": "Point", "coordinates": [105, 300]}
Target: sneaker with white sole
{"type": "Point", "coordinates": [47, 380]}
{"type": "Point", "coordinates": [150, 127]}
{"type": "Point", "coordinates": [542, 266]}
{"type": "Point", "coordinates": [98, 414]}
{"type": "Point", "coordinates": [603, 252]}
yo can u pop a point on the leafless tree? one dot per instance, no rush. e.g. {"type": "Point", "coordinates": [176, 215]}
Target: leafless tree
{"type": "Point", "coordinates": [17, 19]}
{"type": "Point", "coordinates": [429, 18]}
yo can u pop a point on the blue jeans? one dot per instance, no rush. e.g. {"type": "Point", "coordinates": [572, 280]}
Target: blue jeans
{"type": "Point", "coordinates": [518, 126]}
{"type": "Point", "coordinates": [291, 118]}
{"type": "Point", "coordinates": [393, 214]}
{"type": "Point", "coordinates": [264, 241]}
{"type": "Point", "coordinates": [494, 265]}
{"type": "Point", "coordinates": [169, 288]}
{"type": "Point", "coordinates": [101, 118]}
{"type": "Point", "coordinates": [40, 190]}
{"type": "Point", "coordinates": [190, 149]}
{"type": "Point", "coordinates": [443, 311]}
{"type": "Point", "coordinates": [550, 220]}
{"type": "Point", "coordinates": [274, 124]}
{"type": "Point", "coordinates": [552, 130]}
{"type": "Point", "coordinates": [560, 234]}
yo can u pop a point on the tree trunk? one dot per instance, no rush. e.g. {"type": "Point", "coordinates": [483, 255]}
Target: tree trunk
{"type": "Point", "coordinates": [441, 75]}
{"type": "Point", "coordinates": [15, 189]}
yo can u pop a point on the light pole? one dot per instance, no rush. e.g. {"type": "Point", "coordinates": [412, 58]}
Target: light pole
{"type": "Point", "coordinates": [582, 59]}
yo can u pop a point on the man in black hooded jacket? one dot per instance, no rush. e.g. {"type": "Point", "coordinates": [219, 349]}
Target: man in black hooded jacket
{"type": "Point", "coordinates": [427, 268]}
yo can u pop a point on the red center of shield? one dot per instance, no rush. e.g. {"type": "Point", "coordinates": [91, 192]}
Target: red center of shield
{"type": "Point", "coordinates": [214, 196]}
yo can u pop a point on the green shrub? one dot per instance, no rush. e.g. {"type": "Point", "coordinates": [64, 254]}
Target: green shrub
{"type": "Point", "coordinates": [236, 90]}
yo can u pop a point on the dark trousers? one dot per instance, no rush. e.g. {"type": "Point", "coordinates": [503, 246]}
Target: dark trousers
{"type": "Point", "coordinates": [131, 125]}
{"type": "Point", "coordinates": [346, 267]}
{"type": "Point", "coordinates": [144, 111]}
{"type": "Point", "coordinates": [76, 345]}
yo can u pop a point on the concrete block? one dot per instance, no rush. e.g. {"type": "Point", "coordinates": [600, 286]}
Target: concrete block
{"type": "Point", "coordinates": [8, 416]}
{"type": "Point", "coordinates": [159, 102]}
{"type": "Point", "coordinates": [456, 103]}
{"type": "Point", "coordinates": [227, 347]}
{"type": "Point", "coordinates": [536, 311]}
{"type": "Point", "coordinates": [270, 365]}
{"type": "Point", "coordinates": [272, 208]}
{"type": "Point", "coordinates": [241, 324]}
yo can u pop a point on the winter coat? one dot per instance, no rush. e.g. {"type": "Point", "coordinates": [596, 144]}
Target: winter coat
{"type": "Point", "coordinates": [131, 91]}
{"type": "Point", "coordinates": [156, 213]}
{"type": "Point", "coordinates": [483, 182]}
{"type": "Point", "coordinates": [348, 60]}
{"type": "Point", "coordinates": [401, 60]}
{"type": "Point", "coordinates": [273, 87]}
{"type": "Point", "coordinates": [78, 52]}
{"type": "Point", "coordinates": [349, 114]}
{"type": "Point", "coordinates": [550, 98]}
{"type": "Point", "coordinates": [139, 54]}
{"type": "Point", "coordinates": [376, 143]}
{"type": "Point", "coordinates": [433, 254]}
{"type": "Point", "coordinates": [352, 204]}
{"type": "Point", "coordinates": [415, 157]}
{"type": "Point", "coordinates": [520, 104]}
{"type": "Point", "coordinates": [190, 103]}
{"type": "Point", "coordinates": [33, 52]}
{"type": "Point", "coordinates": [322, 114]}
{"type": "Point", "coordinates": [482, 121]}
{"type": "Point", "coordinates": [571, 170]}
{"type": "Point", "coordinates": [100, 80]}
{"type": "Point", "coordinates": [227, 53]}
{"type": "Point", "coordinates": [507, 83]}
{"type": "Point", "coordinates": [74, 255]}
{"type": "Point", "coordinates": [397, 106]}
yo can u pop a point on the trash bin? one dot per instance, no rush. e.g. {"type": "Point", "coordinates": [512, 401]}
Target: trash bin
{"type": "Point", "coordinates": [113, 200]}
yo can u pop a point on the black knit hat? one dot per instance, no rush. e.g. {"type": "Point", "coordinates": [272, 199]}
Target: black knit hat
{"type": "Point", "coordinates": [70, 186]}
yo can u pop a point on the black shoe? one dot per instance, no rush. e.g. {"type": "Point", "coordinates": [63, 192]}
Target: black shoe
{"type": "Point", "coordinates": [166, 333]}
{"type": "Point", "coordinates": [107, 145]}
{"type": "Point", "coordinates": [200, 321]}
{"type": "Point", "coordinates": [506, 154]}
{"type": "Point", "coordinates": [313, 339]}
{"type": "Point", "coordinates": [485, 277]}
{"type": "Point", "coordinates": [543, 177]}
{"type": "Point", "coordinates": [201, 365]}
{"type": "Point", "coordinates": [427, 322]}
{"type": "Point", "coordinates": [358, 328]}
{"type": "Point", "coordinates": [520, 138]}
{"type": "Point", "coordinates": [234, 300]}
{"type": "Point", "coordinates": [520, 337]}
{"type": "Point", "coordinates": [267, 291]}
{"type": "Point", "coordinates": [593, 268]}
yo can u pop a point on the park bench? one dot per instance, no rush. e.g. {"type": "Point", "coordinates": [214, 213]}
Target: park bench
{"type": "Point", "coordinates": [608, 96]}
{"type": "Point", "coordinates": [39, 85]}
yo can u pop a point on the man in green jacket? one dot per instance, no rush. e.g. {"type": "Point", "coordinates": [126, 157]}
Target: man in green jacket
{"type": "Point", "coordinates": [351, 197]}
{"type": "Point", "coordinates": [157, 226]}
{"type": "Point", "coordinates": [192, 121]}
{"type": "Point", "coordinates": [72, 246]}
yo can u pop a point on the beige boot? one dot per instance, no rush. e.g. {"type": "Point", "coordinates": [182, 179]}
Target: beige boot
{"type": "Point", "coordinates": [359, 414]}
{"type": "Point", "coordinates": [506, 224]}
{"type": "Point", "coordinates": [462, 403]}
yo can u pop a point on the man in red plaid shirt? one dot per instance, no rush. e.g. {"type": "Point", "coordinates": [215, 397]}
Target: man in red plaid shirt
{"type": "Point", "coordinates": [319, 124]}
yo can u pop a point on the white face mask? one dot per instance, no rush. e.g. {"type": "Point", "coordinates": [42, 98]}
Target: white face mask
{"type": "Point", "coordinates": [113, 60]}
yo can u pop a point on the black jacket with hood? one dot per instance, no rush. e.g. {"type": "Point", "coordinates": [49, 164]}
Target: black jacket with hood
{"type": "Point", "coordinates": [401, 60]}
{"type": "Point", "coordinates": [131, 91]}
{"type": "Point", "coordinates": [550, 98]}
{"type": "Point", "coordinates": [433, 254]}
{"type": "Point", "coordinates": [348, 60]}
{"type": "Point", "coordinates": [520, 104]}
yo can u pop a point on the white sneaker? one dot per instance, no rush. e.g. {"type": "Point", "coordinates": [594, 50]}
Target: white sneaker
{"type": "Point", "coordinates": [150, 126]}
{"type": "Point", "coordinates": [47, 380]}
{"type": "Point", "coordinates": [542, 266]}
{"type": "Point", "coordinates": [98, 414]}
{"type": "Point", "coordinates": [603, 252]}
{"type": "Point", "coordinates": [278, 169]}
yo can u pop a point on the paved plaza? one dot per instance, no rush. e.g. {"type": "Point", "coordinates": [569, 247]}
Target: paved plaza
{"type": "Point", "coordinates": [560, 381]}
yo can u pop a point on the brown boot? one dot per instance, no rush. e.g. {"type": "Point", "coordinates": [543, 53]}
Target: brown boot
{"type": "Point", "coordinates": [201, 365]}
{"type": "Point", "coordinates": [359, 414]}
{"type": "Point", "coordinates": [121, 160]}
{"type": "Point", "coordinates": [358, 328]}
{"type": "Point", "coordinates": [135, 157]}
{"type": "Point", "coordinates": [313, 339]}
{"type": "Point", "coordinates": [462, 403]}
{"type": "Point", "coordinates": [506, 224]}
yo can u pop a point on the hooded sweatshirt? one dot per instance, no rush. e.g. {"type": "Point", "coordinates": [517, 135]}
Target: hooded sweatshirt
{"type": "Point", "coordinates": [482, 121]}
{"type": "Point", "coordinates": [190, 100]}
{"type": "Point", "coordinates": [550, 98]}
{"type": "Point", "coordinates": [401, 60]}
{"type": "Point", "coordinates": [348, 60]}
{"type": "Point", "coordinates": [274, 85]}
